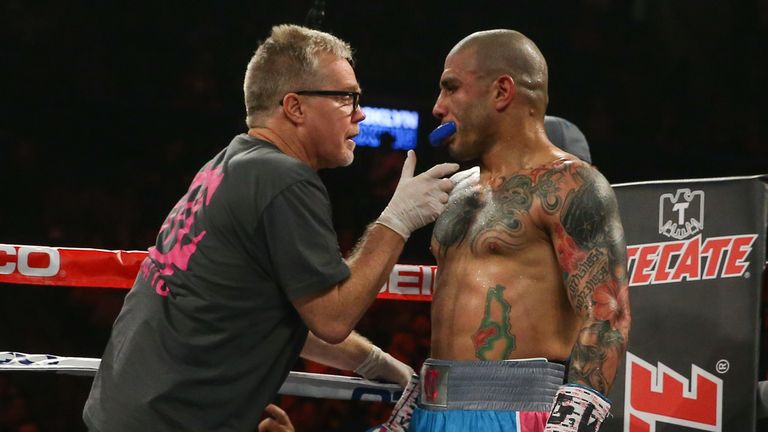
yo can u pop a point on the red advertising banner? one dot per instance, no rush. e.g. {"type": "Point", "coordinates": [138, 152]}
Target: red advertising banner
{"type": "Point", "coordinates": [57, 266]}
{"type": "Point", "coordinates": [99, 268]}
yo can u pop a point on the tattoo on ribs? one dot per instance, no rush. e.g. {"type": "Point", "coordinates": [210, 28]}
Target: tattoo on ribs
{"type": "Point", "coordinates": [495, 331]}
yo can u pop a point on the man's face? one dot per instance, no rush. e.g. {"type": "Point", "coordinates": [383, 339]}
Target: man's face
{"type": "Point", "coordinates": [463, 99]}
{"type": "Point", "coordinates": [332, 121]}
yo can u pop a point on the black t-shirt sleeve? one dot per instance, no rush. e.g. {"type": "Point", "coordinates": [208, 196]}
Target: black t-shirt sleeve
{"type": "Point", "coordinates": [303, 247]}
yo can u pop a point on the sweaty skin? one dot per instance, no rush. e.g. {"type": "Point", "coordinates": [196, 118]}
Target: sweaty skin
{"type": "Point", "coordinates": [532, 264]}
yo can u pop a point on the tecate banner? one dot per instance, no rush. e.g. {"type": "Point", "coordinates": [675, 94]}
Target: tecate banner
{"type": "Point", "coordinates": [696, 255]}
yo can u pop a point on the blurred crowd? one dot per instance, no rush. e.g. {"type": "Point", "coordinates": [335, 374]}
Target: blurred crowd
{"type": "Point", "coordinates": [108, 110]}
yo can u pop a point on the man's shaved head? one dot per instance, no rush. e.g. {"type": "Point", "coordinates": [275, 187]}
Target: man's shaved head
{"type": "Point", "coordinates": [508, 52]}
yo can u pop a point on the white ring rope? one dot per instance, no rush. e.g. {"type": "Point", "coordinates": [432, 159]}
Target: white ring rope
{"type": "Point", "coordinates": [296, 384]}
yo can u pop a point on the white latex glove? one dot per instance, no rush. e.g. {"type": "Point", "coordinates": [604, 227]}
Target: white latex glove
{"type": "Point", "coordinates": [419, 200]}
{"type": "Point", "coordinates": [382, 366]}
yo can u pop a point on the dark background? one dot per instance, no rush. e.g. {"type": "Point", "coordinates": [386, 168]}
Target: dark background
{"type": "Point", "coordinates": [107, 109]}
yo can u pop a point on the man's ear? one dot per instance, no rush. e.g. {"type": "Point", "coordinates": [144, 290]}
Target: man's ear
{"type": "Point", "coordinates": [292, 108]}
{"type": "Point", "coordinates": [505, 91]}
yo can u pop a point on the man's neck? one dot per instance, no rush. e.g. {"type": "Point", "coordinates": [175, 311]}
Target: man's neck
{"type": "Point", "coordinates": [519, 146]}
{"type": "Point", "coordinates": [285, 142]}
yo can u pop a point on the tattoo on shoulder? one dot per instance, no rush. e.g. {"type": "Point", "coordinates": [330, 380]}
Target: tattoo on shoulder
{"type": "Point", "coordinates": [591, 246]}
{"type": "Point", "coordinates": [591, 213]}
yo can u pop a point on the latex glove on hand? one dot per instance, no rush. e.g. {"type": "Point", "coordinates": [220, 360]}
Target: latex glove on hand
{"type": "Point", "coordinates": [418, 200]}
{"type": "Point", "coordinates": [382, 366]}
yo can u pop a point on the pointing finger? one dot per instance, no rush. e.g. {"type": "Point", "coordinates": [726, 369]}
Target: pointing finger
{"type": "Point", "coordinates": [409, 166]}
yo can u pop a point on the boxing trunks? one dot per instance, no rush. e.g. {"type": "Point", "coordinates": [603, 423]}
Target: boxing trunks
{"type": "Point", "coordinates": [489, 396]}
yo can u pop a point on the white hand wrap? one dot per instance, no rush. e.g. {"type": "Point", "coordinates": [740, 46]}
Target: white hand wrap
{"type": "Point", "coordinates": [419, 200]}
{"type": "Point", "coordinates": [382, 366]}
{"type": "Point", "coordinates": [400, 419]}
{"type": "Point", "coordinates": [577, 408]}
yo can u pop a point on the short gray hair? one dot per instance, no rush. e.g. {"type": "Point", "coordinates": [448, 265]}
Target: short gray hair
{"type": "Point", "coordinates": [286, 61]}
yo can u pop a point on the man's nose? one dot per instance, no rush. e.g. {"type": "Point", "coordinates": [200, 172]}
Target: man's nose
{"type": "Point", "coordinates": [358, 115]}
{"type": "Point", "coordinates": [439, 109]}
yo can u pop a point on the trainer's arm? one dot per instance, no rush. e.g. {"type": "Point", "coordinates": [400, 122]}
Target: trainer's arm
{"type": "Point", "coordinates": [417, 201]}
{"type": "Point", "coordinates": [592, 253]}
{"type": "Point", "coordinates": [332, 314]}
{"type": "Point", "coordinates": [358, 354]}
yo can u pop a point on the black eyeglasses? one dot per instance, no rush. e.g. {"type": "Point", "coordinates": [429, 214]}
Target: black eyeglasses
{"type": "Point", "coordinates": [333, 93]}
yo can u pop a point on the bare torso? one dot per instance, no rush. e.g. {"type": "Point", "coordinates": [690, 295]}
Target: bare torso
{"type": "Point", "coordinates": [499, 292]}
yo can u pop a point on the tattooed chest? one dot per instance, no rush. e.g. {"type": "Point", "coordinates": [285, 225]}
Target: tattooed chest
{"type": "Point", "coordinates": [485, 219]}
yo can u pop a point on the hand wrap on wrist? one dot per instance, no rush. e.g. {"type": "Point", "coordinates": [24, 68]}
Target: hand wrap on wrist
{"type": "Point", "coordinates": [577, 408]}
{"type": "Point", "coordinates": [400, 419]}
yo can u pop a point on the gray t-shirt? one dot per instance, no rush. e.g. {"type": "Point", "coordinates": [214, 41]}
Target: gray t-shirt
{"type": "Point", "coordinates": [208, 334]}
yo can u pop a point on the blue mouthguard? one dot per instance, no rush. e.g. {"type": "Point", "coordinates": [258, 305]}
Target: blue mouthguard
{"type": "Point", "coordinates": [442, 132]}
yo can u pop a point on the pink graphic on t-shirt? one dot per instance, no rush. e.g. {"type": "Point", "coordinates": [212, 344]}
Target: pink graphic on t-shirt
{"type": "Point", "coordinates": [177, 244]}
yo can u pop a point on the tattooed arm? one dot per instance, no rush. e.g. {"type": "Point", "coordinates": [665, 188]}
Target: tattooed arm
{"type": "Point", "coordinates": [589, 241]}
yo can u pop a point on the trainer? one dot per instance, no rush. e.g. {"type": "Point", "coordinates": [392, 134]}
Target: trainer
{"type": "Point", "coordinates": [247, 261]}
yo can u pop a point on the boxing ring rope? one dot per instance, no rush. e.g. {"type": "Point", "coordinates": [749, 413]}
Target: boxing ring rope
{"type": "Point", "coordinates": [99, 268]}
{"type": "Point", "coordinates": [305, 384]}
